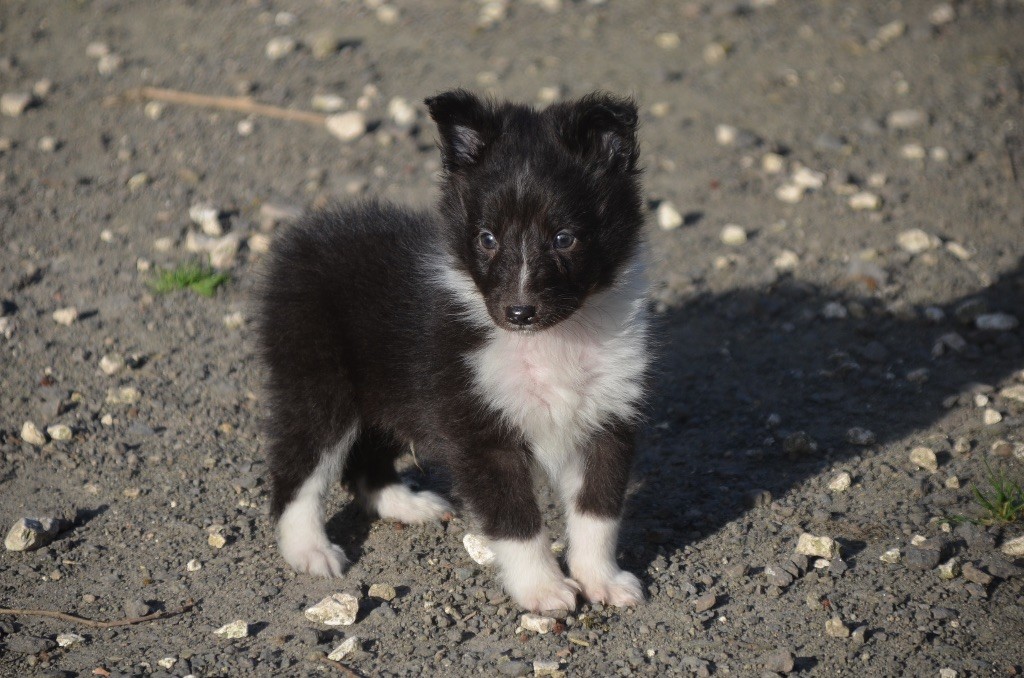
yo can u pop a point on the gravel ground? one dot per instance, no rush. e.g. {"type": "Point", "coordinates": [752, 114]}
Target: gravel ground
{"type": "Point", "coordinates": [837, 219]}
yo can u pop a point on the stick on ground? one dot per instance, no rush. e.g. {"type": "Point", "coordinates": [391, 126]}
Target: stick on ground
{"type": "Point", "coordinates": [92, 623]}
{"type": "Point", "coordinates": [240, 104]}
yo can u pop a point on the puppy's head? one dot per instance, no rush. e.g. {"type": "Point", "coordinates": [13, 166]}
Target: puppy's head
{"type": "Point", "coordinates": [541, 208]}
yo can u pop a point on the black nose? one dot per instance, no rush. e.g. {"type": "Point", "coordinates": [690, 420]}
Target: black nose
{"type": "Point", "coordinates": [520, 315]}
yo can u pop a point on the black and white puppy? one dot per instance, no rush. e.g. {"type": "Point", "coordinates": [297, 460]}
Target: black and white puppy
{"type": "Point", "coordinates": [503, 334]}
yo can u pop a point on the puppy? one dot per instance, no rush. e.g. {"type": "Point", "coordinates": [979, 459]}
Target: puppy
{"type": "Point", "coordinates": [503, 334]}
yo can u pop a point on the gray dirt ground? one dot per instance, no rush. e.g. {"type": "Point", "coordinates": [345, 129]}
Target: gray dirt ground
{"type": "Point", "coordinates": [823, 320]}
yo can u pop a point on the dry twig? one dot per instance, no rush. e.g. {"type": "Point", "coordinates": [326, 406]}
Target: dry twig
{"type": "Point", "coordinates": [240, 104]}
{"type": "Point", "coordinates": [92, 623]}
{"type": "Point", "coordinates": [345, 671]}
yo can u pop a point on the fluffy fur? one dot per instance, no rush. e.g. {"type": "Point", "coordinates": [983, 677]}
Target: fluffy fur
{"type": "Point", "coordinates": [503, 333]}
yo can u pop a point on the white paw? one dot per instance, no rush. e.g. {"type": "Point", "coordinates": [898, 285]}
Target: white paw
{"type": "Point", "coordinates": [619, 588]}
{"type": "Point", "coordinates": [397, 502]}
{"type": "Point", "coordinates": [557, 593]}
{"type": "Point", "coordinates": [313, 556]}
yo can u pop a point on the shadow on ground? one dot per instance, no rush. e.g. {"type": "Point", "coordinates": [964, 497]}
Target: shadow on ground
{"type": "Point", "coordinates": [730, 362]}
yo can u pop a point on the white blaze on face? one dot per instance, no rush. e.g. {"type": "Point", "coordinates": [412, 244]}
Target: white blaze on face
{"type": "Point", "coordinates": [524, 272]}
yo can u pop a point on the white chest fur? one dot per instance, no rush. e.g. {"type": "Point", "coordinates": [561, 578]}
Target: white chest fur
{"type": "Point", "coordinates": [559, 385]}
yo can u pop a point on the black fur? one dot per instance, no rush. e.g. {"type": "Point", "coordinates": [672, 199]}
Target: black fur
{"type": "Point", "coordinates": [353, 325]}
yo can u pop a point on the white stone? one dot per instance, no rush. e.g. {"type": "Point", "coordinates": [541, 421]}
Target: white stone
{"type": "Point", "coordinates": [790, 193]}
{"type": "Point", "coordinates": [207, 217]}
{"type": "Point", "coordinates": [224, 251]}
{"type": "Point", "coordinates": [841, 483]}
{"type": "Point", "coordinates": [109, 64]}
{"type": "Point", "coordinates": [906, 118]}
{"type": "Point", "coordinates": [991, 416]}
{"type": "Point", "coordinates": [347, 647]}
{"type": "Point", "coordinates": [14, 103]}
{"type": "Point", "coordinates": [59, 432]}
{"type": "Point", "coordinates": [915, 241]}
{"type": "Point", "coordinates": [924, 458]}
{"type": "Point", "coordinates": [65, 316]}
{"type": "Point", "coordinates": [948, 673]}
{"type": "Point", "coordinates": [1013, 393]}
{"type": "Point", "coordinates": [860, 436]}
{"type": "Point", "coordinates": [980, 400]}
{"type": "Point", "coordinates": [1014, 547]}
{"type": "Point", "coordinates": [941, 14]}
{"type": "Point", "coordinates": [401, 112]}
{"type": "Point", "coordinates": [31, 434]}
{"type": "Point", "coordinates": [236, 629]}
{"type": "Point", "coordinates": [193, 566]}
{"type": "Point", "coordinates": [537, 623]}
{"type": "Point", "coordinates": [547, 668]}
{"type": "Point", "coordinates": [715, 53]}
{"type": "Point", "coordinates": [29, 534]}
{"type": "Point", "coordinates": [773, 163]}
{"type": "Point", "coordinates": [387, 15]}
{"type": "Point", "coordinates": [949, 569]}
{"type": "Point", "coordinates": [216, 540]}
{"type": "Point", "coordinates": [667, 40]}
{"type": "Point", "coordinates": [339, 609]}
{"type": "Point", "coordinates": [245, 127]}
{"type": "Point", "coordinates": [47, 144]}
{"type": "Point", "coordinates": [958, 251]}
{"type": "Point", "coordinates": [820, 547]}
{"type": "Point", "coordinates": [808, 178]}
{"type": "Point", "coordinates": [126, 395]}
{"type": "Point", "coordinates": [892, 556]}
{"type": "Point", "coordinates": [865, 200]}
{"type": "Point", "coordinates": [95, 50]}
{"type": "Point", "coordinates": [69, 639]}
{"type": "Point", "coordinates": [996, 322]}
{"type": "Point", "coordinates": [726, 135]}
{"type": "Point", "coordinates": [347, 126]}
{"type": "Point", "coordinates": [918, 539]}
{"type": "Point", "coordinates": [111, 364]}
{"type": "Point", "coordinates": [912, 151]}
{"type": "Point", "coordinates": [733, 235]}
{"type": "Point", "coordinates": [668, 216]}
{"type": "Point", "coordinates": [280, 47]}
{"type": "Point", "coordinates": [787, 260]}
{"type": "Point", "coordinates": [167, 662]}
{"type": "Point", "coordinates": [478, 549]}
{"type": "Point", "coordinates": [327, 103]}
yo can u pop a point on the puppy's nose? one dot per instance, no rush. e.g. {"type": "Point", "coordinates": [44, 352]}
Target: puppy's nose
{"type": "Point", "coordinates": [520, 315]}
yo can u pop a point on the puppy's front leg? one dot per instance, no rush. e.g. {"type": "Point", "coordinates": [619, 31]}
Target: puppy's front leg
{"type": "Point", "coordinates": [498, 485]}
{"type": "Point", "coordinates": [593, 489]}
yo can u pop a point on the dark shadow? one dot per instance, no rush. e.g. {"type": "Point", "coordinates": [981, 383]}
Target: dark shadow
{"type": "Point", "coordinates": [349, 529]}
{"type": "Point", "coordinates": [739, 373]}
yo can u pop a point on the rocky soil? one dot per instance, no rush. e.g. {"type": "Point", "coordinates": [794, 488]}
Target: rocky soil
{"type": "Point", "coordinates": [837, 222]}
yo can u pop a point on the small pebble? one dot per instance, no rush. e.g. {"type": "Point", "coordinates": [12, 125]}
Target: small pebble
{"type": "Point", "coordinates": [14, 104]}
{"type": "Point", "coordinates": [667, 40]}
{"type": "Point", "coordinates": [808, 178]}
{"type": "Point", "coordinates": [347, 647]}
{"type": "Point", "coordinates": [912, 151]}
{"type": "Point", "coordinates": [860, 436]}
{"type": "Point", "coordinates": [111, 364]}
{"type": "Point", "coordinates": [69, 639]}
{"type": "Point", "coordinates": [972, 573]}
{"type": "Point", "coordinates": [949, 569]}
{"type": "Point", "coordinates": [547, 668]}
{"type": "Point", "coordinates": [347, 126]}
{"type": "Point", "coordinates": [216, 540]}
{"type": "Point", "coordinates": [835, 628]}
{"type": "Point", "coordinates": [821, 547]}
{"type": "Point", "coordinates": [790, 193]}
{"type": "Point", "coordinates": [787, 260]}
{"type": "Point", "coordinates": [327, 103]}
{"type": "Point", "coordinates": [773, 163]}
{"type": "Point", "coordinates": [382, 591]}
{"type": "Point", "coordinates": [108, 64]}
{"type": "Point", "coordinates": [65, 316]}
{"type": "Point", "coordinates": [916, 241]}
{"type": "Point", "coordinates": [236, 629]}
{"type": "Point", "coordinates": [537, 623]}
{"type": "Point", "coordinates": [733, 235]}
{"type": "Point", "coordinates": [892, 556]}
{"type": "Point", "coordinates": [906, 118]}
{"type": "Point", "coordinates": [95, 50]}
{"type": "Point", "coordinates": [780, 661]}
{"type": "Point", "coordinates": [29, 534]}
{"type": "Point", "coordinates": [669, 217]}
{"type": "Point", "coordinates": [193, 566]}
{"type": "Point", "coordinates": [31, 434]}
{"type": "Point", "coordinates": [841, 483]}
{"type": "Point", "coordinates": [991, 417]}
{"type": "Point", "coordinates": [924, 458]}
{"type": "Point", "coordinates": [1014, 547]}
{"type": "Point", "coordinates": [996, 322]}
{"type": "Point", "coordinates": [339, 609]}
{"type": "Point", "coordinates": [705, 602]}
{"type": "Point", "coordinates": [865, 200]}
{"type": "Point", "coordinates": [280, 47]}
{"type": "Point", "coordinates": [59, 432]}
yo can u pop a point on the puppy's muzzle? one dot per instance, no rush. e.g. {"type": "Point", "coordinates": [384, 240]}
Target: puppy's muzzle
{"type": "Point", "coordinates": [521, 315]}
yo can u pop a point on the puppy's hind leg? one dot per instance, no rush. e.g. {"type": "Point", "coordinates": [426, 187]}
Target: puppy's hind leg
{"type": "Point", "coordinates": [371, 472]}
{"type": "Point", "coordinates": [300, 483]}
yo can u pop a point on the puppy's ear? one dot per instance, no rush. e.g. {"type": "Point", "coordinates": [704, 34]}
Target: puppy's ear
{"type": "Point", "coordinates": [466, 125]}
{"type": "Point", "coordinates": [602, 127]}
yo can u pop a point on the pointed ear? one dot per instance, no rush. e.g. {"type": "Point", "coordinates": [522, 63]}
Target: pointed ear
{"type": "Point", "coordinates": [466, 125]}
{"type": "Point", "coordinates": [602, 128]}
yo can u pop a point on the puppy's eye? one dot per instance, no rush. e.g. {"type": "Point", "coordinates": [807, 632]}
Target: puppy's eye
{"type": "Point", "coordinates": [564, 240]}
{"type": "Point", "coordinates": [488, 241]}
